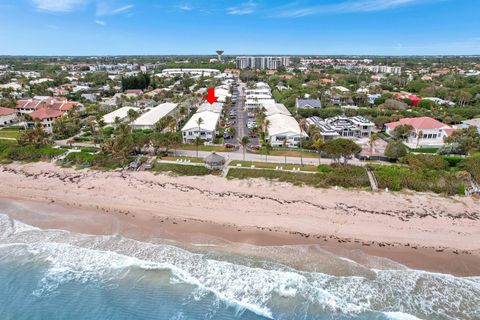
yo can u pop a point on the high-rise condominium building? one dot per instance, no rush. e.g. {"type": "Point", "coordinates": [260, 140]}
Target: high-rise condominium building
{"type": "Point", "coordinates": [271, 63]}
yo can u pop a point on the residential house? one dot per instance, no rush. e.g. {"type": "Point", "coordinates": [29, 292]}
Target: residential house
{"type": "Point", "coordinates": [151, 117]}
{"type": "Point", "coordinates": [206, 130]}
{"type": "Point", "coordinates": [343, 127]}
{"type": "Point", "coordinates": [7, 116]}
{"type": "Point", "coordinates": [46, 116]}
{"type": "Point", "coordinates": [433, 131]}
{"type": "Point", "coordinates": [133, 93]}
{"type": "Point", "coordinates": [284, 128]}
{"type": "Point", "coordinates": [471, 123]}
{"type": "Point", "coordinates": [308, 104]}
{"type": "Point", "coordinates": [121, 114]}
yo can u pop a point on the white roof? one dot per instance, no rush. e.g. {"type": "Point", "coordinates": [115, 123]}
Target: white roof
{"type": "Point", "coordinates": [276, 108]}
{"type": "Point", "coordinates": [155, 114]}
{"type": "Point", "coordinates": [342, 89]}
{"type": "Point", "coordinates": [215, 107]}
{"type": "Point", "coordinates": [282, 124]}
{"type": "Point", "coordinates": [262, 85]}
{"type": "Point", "coordinates": [209, 123]}
{"type": "Point", "coordinates": [121, 113]}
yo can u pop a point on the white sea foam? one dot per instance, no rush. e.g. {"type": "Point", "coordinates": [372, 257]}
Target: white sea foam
{"type": "Point", "coordinates": [400, 316]}
{"type": "Point", "coordinates": [244, 285]}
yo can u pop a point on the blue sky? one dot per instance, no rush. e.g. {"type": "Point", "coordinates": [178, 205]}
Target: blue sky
{"type": "Point", "coordinates": [324, 27]}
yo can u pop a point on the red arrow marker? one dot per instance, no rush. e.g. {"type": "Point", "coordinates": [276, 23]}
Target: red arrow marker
{"type": "Point", "coordinates": [211, 96]}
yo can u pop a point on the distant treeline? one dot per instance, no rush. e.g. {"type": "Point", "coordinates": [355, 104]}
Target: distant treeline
{"type": "Point", "coordinates": [139, 81]}
{"type": "Point", "coordinates": [198, 65]}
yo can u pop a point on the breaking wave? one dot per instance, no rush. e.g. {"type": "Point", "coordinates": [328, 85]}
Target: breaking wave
{"type": "Point", "coordinates": [267, 288]}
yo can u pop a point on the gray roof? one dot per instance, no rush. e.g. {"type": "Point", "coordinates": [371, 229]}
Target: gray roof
{"type": "Point", "coordinates": [473, 122]}
{"type": "Point", "coordinates": [213, 157]}
{"type": "Point", "coordinates": [309, 103]}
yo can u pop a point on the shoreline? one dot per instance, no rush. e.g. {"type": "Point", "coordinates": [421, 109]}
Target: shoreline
{"type": "Point", "coordinates": [442, 235]}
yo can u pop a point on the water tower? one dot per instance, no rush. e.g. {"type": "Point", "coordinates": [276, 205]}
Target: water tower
{"type": "Point", "coordinates": [220, 55]}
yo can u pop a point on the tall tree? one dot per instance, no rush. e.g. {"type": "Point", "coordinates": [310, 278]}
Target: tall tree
{"type": "Point", "coordinates": [244, 142]}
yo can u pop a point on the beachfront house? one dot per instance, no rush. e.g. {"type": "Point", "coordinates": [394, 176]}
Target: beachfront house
{"type": "Point", "coordinates": [343, 127]}
{"type": "Point", "coordinates": [7, 116]}
{"type": "Point", "coordinates": [205, 129]}
{"type": "Point", "coordinates": [46, 116]}
{"type": "Point", "coordinates": [427, 132]}
{"type": "Point", "coordinates": [119, 115]}
{"type": "Point", "coordinates": [151, 117]}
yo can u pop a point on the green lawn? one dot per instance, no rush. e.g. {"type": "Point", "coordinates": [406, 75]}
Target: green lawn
{"type": "Point", "coordinates": [15, 134]}
{"type": "Point", "coordinates": [290, 153]}
{"type": "Point", "coordinates": [192, 159]}
{"type": "Point", "coordinates": [268, 165]}
{"type": "Point", "coordinates": [204, 148]}
{"type": "Point", "coordinates": [183, 170]}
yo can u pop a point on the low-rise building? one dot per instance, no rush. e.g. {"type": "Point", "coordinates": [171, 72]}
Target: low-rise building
{"type": "Point", "coordinates": [205, 129]}
{"type": "Point", "coordinates": [284, 128]}
{"type": "Point", "coordinates": [427, 132]}
{"type": "Point", "coordinates": [189, 71]}
{"type": "Point", "coordinates": [308, 104]}
{"type": "Point", "coordinates": [7, 116]}
{"type": "Point", "coordinates": [471, 123]}
{"type": "Point", "coordinates": [151, 117]}
{"type": "Point", "coordinates": [343, 127]}
{"type": "Point", "coordinates": [46, 116]}
{"type": "Point", "coordinates": [120, 115]}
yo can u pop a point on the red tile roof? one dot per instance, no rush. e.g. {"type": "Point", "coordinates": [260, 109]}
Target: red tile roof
{"type": "Point", "coordinates": [29, 104]}
{"type": "Point", "coordinates": [44, 113]}
{"type": "Point", "coordinates": [6, 111]}
{"type": "Point", "coordinates": [134, 91]}
{"type": "Point", "coordinates": [419, 123]}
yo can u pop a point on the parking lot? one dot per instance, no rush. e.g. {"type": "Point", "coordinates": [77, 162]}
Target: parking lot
{"type": "Point", "coordinates": [242, 120]}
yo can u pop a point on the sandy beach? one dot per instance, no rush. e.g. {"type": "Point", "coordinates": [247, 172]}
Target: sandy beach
{"type": "Point", "coordinates": [422, 231]}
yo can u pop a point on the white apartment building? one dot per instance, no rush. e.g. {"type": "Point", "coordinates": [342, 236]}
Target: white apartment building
{"type": "Point", "coordinates": [151, 117]}
{"type": "Point", "coordinates": [206, 130]}
{"type": "Point", "coordinates": [271, 63]}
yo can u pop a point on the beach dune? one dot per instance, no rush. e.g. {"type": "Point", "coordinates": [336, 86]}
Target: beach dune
{"type": "Point", "coordinates": [422, 231]}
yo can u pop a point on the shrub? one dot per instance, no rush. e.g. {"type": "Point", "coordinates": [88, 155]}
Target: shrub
{"type": "Point", "coordinates": [395, 150]}
{"type": "Point", "coordinates": [472, 165]}
{"type": "Point", "coordinates": [425, 161]}
{"type": "Point", "coordinates": [345, 176]}
{"type": "Point", "coordinates": [184, 170]}
{"type": "Point", "coordinates": [397, 178]}
{"type": "Point", "coordinates": [28, 153]}
{"type": "Point", "coordinates": [453, 161]}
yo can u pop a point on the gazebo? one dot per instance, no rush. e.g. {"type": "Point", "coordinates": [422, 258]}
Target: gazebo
{"type": "Point", "coordinates": [214, 161]}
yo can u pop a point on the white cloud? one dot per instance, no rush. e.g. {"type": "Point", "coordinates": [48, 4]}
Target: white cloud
{"type": "Point", "coordinates": [243, 9]}
{"type": "Point", "coordinates": [348, 6]}
{"type": "Point", "coordinates": [108, 9]}
{"type": "Point", "coordinates": [58, 5]}
{"type": "Point", "coordinates": [100, 22]}
{"type": "Point", "coordinates": [184, 7]}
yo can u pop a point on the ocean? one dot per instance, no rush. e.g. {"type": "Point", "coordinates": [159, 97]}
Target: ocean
{"type": "Point", "coordinates": [55, 274]}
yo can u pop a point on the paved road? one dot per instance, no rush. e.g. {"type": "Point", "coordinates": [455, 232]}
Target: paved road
{"type": "Point", "coordinates": [242, 117]}
{"type": "Point", "coordinates": [274, 159]}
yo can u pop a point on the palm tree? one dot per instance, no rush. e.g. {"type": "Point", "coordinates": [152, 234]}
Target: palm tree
{"type": "Point", "coordinates": [132, 115]}
{"type": "Point", "coordinates": [244, 142]}
{"type": "Point", "coordinates": [198, 139]}
{"type": "Point", "coordinates": [419, 136]}
{"type": "Point", "coordinates": [303, 122]}
{"type": "Point", "coordinates": [268, 148]}
{"type": "Point", "coordinates": [318, 145]}
{"type": "Point", "coordinates": [284, 144]}
{"type": "Point", "coordinates": [371, 141]}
